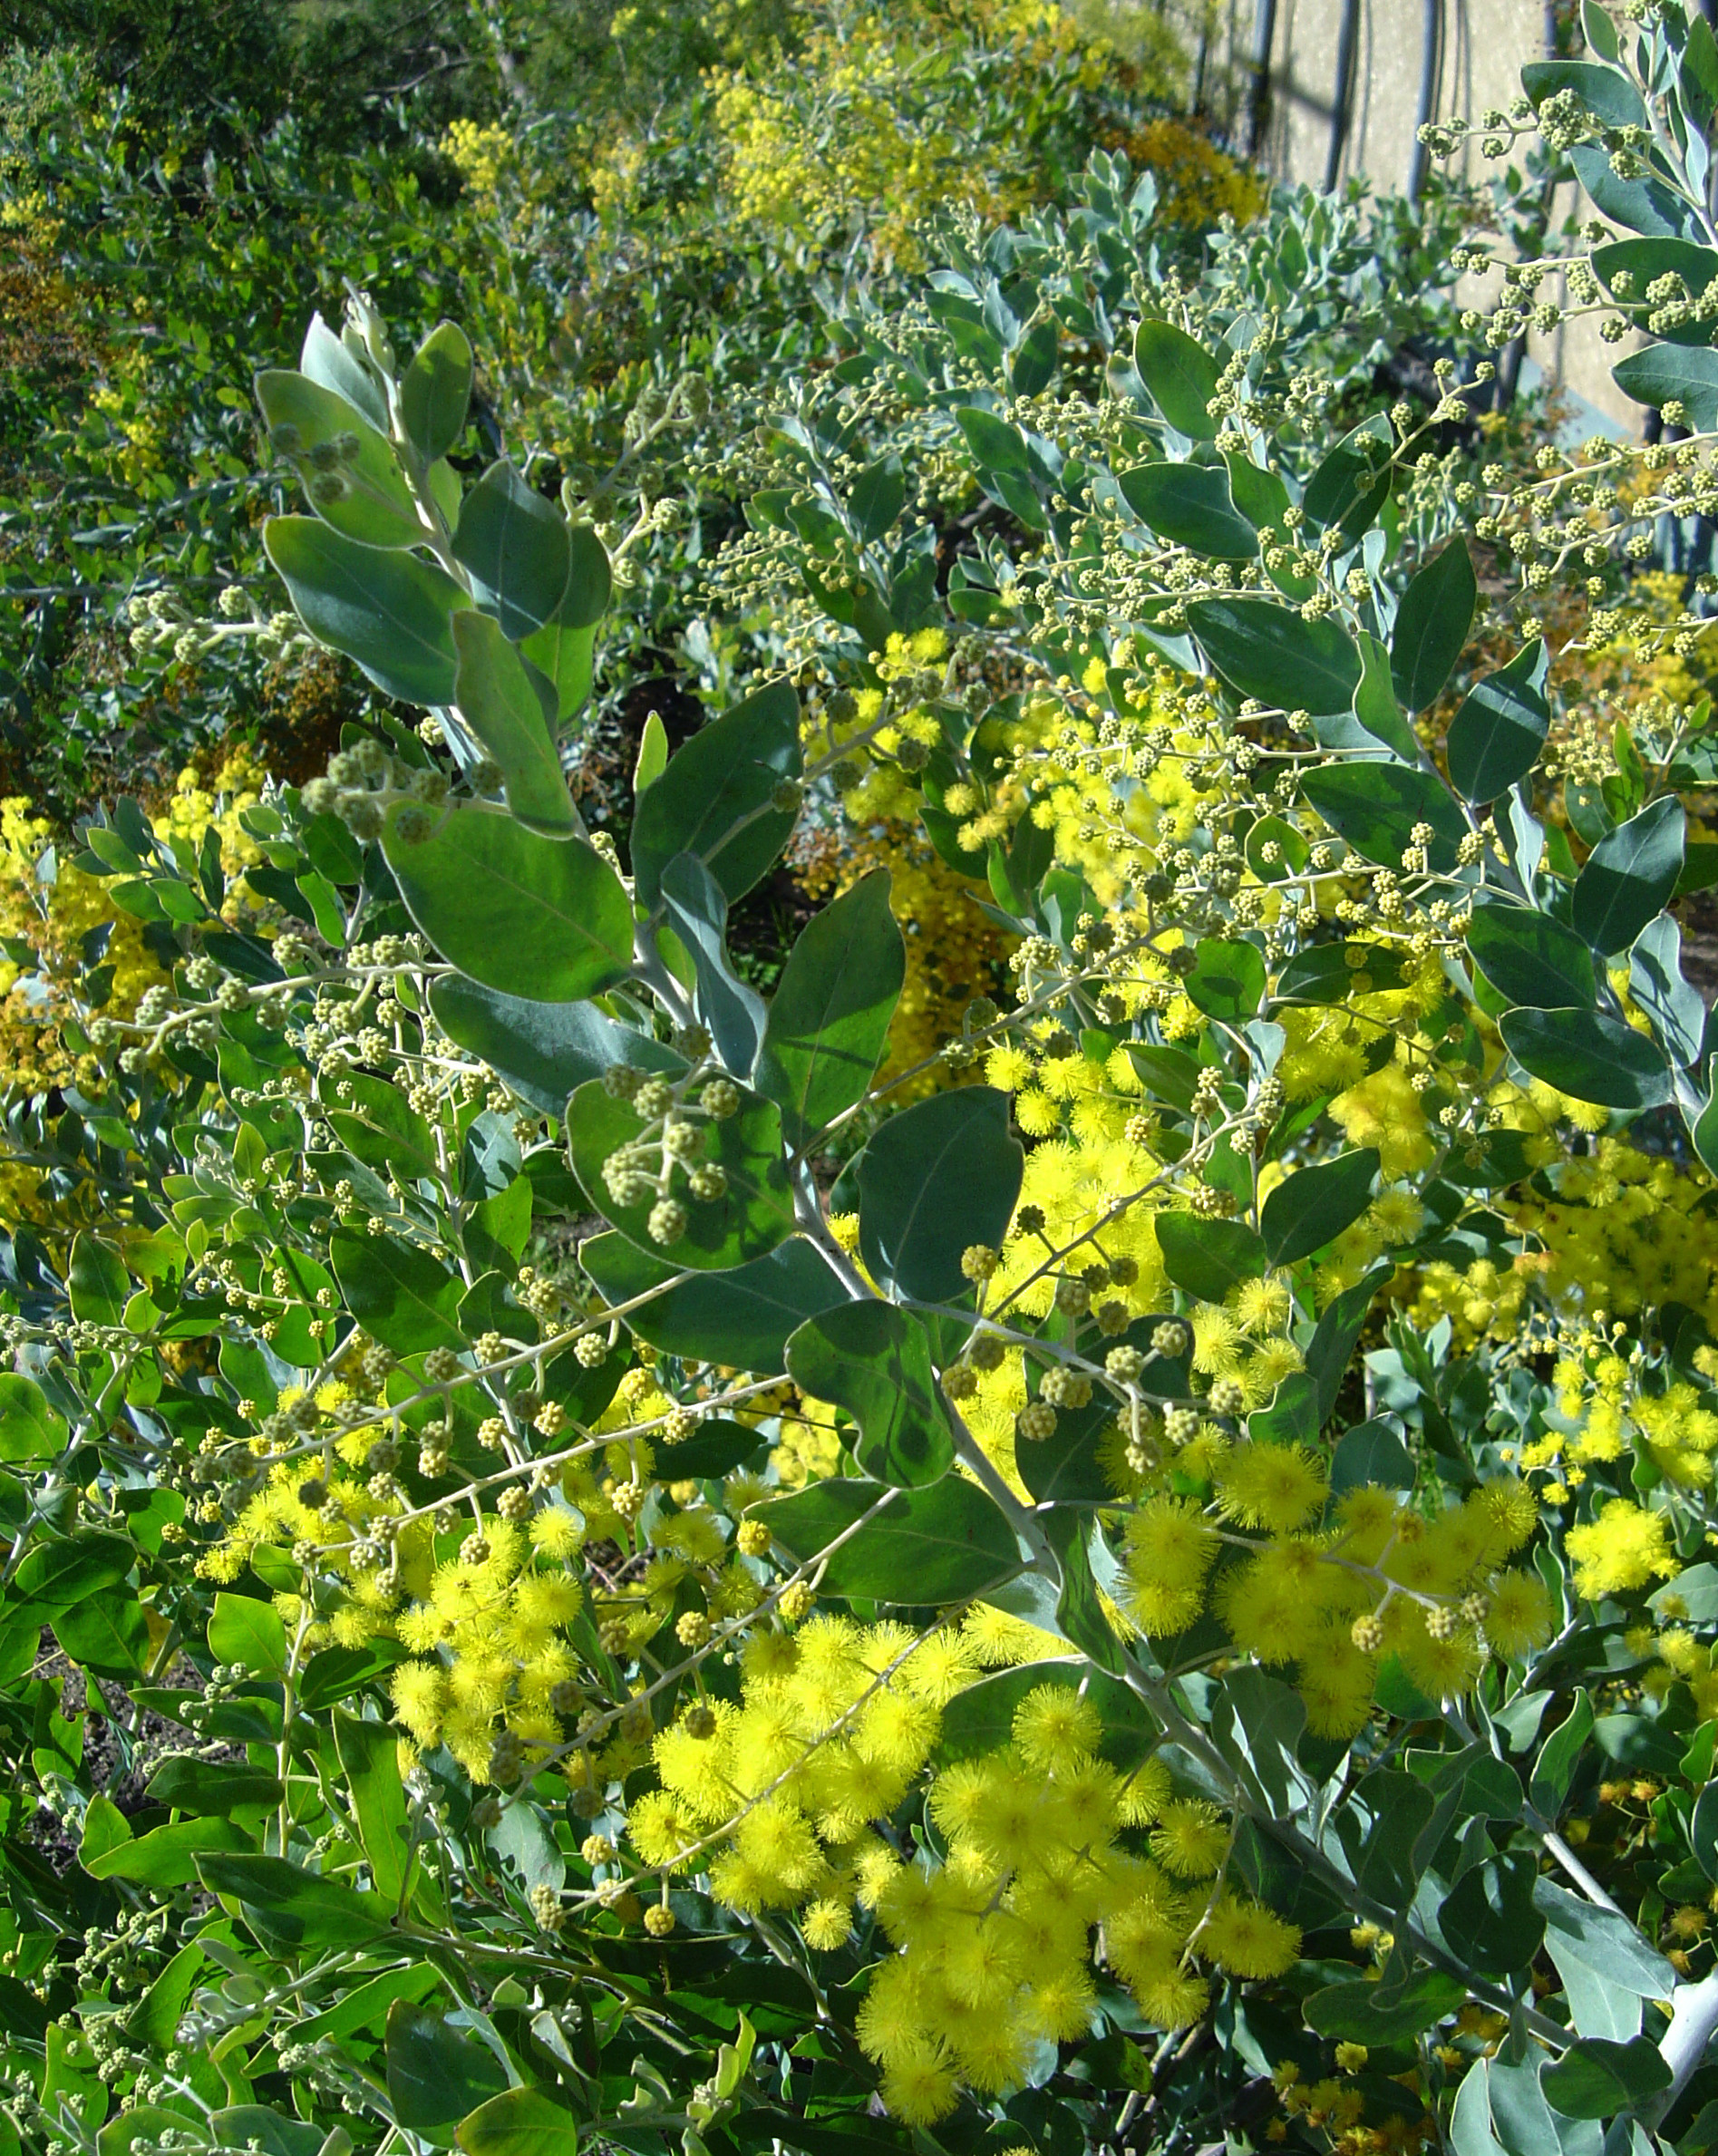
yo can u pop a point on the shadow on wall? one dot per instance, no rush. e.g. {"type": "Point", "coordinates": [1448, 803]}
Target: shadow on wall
{"type": "Point", "coordinates": [1329, 91]}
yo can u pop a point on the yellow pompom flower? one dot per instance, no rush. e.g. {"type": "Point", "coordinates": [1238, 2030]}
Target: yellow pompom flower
{"type": "Point", "coordinates": [1055, 1728]}
{"type": "Point", "coordinates": [1275, 1487]}
{"type": "Point", "coordinates": [1170, 1549]}
{"type": "Point", "coordinates": [1520, 1614]}
{"type": "Point", "coordinates": [1247, 1940]}
{"type": "Point", "coordinates": [1623, 1548]}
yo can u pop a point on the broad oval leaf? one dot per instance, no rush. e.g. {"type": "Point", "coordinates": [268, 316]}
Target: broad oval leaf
{"type": "Point", "coordinates": [31, 1427]}
{"type": "Point", "coordinates": [1496, 737]}
{"type": "Point", "coordinates": [1588, 1056]}
{"type": "Point", "coordinates": [1432, 623]}
{"type": "Point", "coordinates": [544, 918]}
{"type": "Point", "coordinates": [545, 1051]}
{"type": "Point", "coordinates": [713, 799]}
{"type": "Point", "coordinates": [874, 1360]}
{"type": "Point", "coordinates": [744, 1317]}
{"type": "Point", "coordinates": [1208, 1257]}
{"type": "Point", "coordinates": [1643, 262]}
{"type": "Point", "coordinates": [1181, 377]}
{"type": "Point", "coordinates": [1312, 1207]}
{"type": "Point", "coordinates": [1268, 651]}
{"type": "Point", "coordinates": [435, 392]}
{"type": "Point", "coordinates": [1375, 807]}
{"type": "Point", "coordinates": [519, 2122]}
{"type": "Point", "coordinates": [1228, 979]}
{"type": "Point", "coordinates": [390, 613]}
{"type": "Point", "coordinates": [1629, 877]}
{"type": "Point", "coordinates": [1658, 374]}
{"type": "Point", "coordinates": [1598, 2078]}
{"type": "Point", "coordinates": [375, 505]}
{"type": "Point", "coordinates": [1351, 483]}
{"type": "Point", "coordinates": [1605, 92]}
{"type": "Point", "coordinates": [927, 1547]}
{"type": "Point", "coordinates": [1530, 958]}
{"type": "Point", "coordinates": [378, 1126]}
{"type": "Point", "coordinates": [399, 1294]}
{"type": "Point", "coordinates": [246, 1629]}
{"type": "Point", "coordinates": [500, 706]}
{"type": "Point", "coordinates": [514, 545]}
{"type": "Point", "coordinates": [437, 2074]}
{"type": "Point", "coordinates": [937, 1178]}
{"type": "Point", "coordinates": [1276, 849]}
{"type": "Point", "coordinates": [830, 1017]}
{"type": "Point", "coordinates": [1191, 506]}
{"type": "Point", "coordinates": [564, 650]}
{"type": "Point", "coordinates": [755, 1214]}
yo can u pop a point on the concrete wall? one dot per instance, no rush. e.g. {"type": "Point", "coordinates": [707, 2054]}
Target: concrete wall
{"type": "Point", "coordinates": [1480, 46]}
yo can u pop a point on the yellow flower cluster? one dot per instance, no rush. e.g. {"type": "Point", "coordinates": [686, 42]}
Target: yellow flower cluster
{"type": "Point", "coordinates": [865, 131]}
{"type": "Point", "coordinates": [1198, 183]}
{"type": "Point", "coordinates": [1384, 1578]}
{"type": "Point", "coordinates": [1043, 1843]}
{"type": "Point", "coordinates": [483, 153]}
{"type": "Point", "coordinates": [51, 904]}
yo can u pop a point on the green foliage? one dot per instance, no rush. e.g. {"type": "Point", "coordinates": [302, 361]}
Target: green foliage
{"type": "Point", "coordinates": [709, 1585]}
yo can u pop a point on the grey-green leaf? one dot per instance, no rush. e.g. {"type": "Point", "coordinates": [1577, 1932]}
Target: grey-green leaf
{"type": "Point", "coordinates": [746, 1314]}
{"type": "Point", "coordinates": [937, 1178]}
{"type": "Point", "coordinates": [1377, 806]}
{"type": "Point", "coordinates": [874, 1360]}
{"type": "Point", "coordinates": [1181, 375]}
{"type": "Point", "coordinates": [1432, 623]}
{"type": "Point", "coordinates": [546, 918]}
{"type": "Point", "coordinates": [1656, 982]}
{"type": "Point", "coordinates": [1208, 1257]}
{"type": "Point", "coordinates": [1312, 1207]}
{"type": "Point", "coordinates": [545, 1051]}
{"type": "Point", "coordinates": [497, 701]}
{"type": "Point", "coordinates": [388, 612]}
{"type": "Point", "coordinates": [929, 1547]}
{"type": "Point", "coordinates": [1629, 877]}
{"type": "Point", "coordinates": [373, 504]}
{"type": "Point", "coordinates": [1530, 959]}
{"type": "Point", "coordinates": [830, 1017]}
{"type": "Point", "coordinates": [1191, 506]}
{"type": "Point", "coordinates": [515, 548]}
{"type": "Point", "coordinates": [713, 798]}
{"type": "Point", "coordinates": [1496, 737]}
{"type": "Point", "coordinates": [435, 391]}
{"type": "Point", "coordinates": [1590, 1055]}
{"type": "Point", "coordinates": [1268, 651]}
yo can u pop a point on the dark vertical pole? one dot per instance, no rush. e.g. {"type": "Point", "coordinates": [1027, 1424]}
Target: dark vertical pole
{"type": "Point", "coordinates": [1342, 100]}
{"type": "Point", "coordinates": [1259, 102]}
{"type": "Point", "coordinates": [1431, 68]}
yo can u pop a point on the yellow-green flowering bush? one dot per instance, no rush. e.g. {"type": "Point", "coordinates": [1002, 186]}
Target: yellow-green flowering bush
{"type": "Point", "coordinates": [1093, 1533]}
